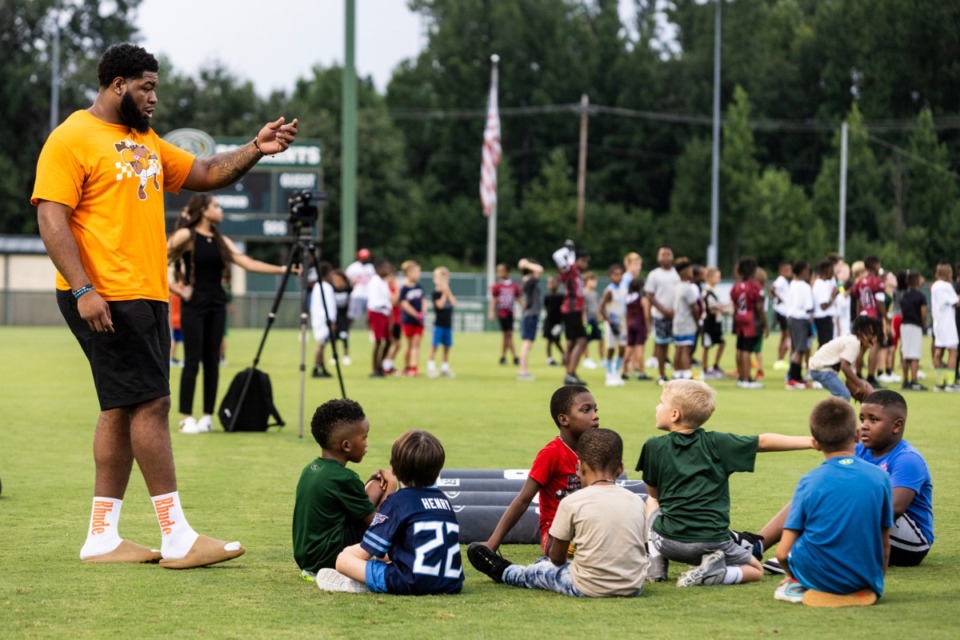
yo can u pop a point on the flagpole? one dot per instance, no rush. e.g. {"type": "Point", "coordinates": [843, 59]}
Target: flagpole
{"type": "Point", "coordinates": [492, 217]}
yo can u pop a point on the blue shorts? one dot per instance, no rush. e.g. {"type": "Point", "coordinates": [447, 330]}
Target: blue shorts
{"type": "Point", "coordinates": [528, 328]}
{"type": "Point", "coordinates": [442, 336]}
{"type": "Point", "coordinates": [685, 341]}
{"type": "Point", "coordinates": [376, 576]}
{"type": "Point", "coordinates": [593, 330]}
{"type": "Point", "coordinates": [178, 335]}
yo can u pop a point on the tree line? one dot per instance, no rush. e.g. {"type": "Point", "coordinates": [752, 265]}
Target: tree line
{"type": "Point", "coordinates": [793, 71]}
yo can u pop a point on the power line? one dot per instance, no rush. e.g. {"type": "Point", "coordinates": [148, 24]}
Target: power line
{"type": "Point", "coordinates": [913, 156]}
{"type": "Point", "coordinates": [762, 124]}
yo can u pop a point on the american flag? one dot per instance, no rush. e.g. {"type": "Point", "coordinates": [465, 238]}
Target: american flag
{"type": "Point", "coordinates": [491, 151]}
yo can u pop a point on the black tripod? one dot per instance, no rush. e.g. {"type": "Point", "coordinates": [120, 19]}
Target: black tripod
{"type": "Point", "coordinates": [304, 246]}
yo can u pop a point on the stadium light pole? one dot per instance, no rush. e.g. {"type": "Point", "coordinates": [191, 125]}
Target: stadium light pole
{"type": "Point", "coordinates": [348, 140]}
{"type": "Point", "coordinates": [842, 240]}
{"type": "Point", "coordinates": [714, 249]}
{"type": "Point", "coordinates": [55, 70]}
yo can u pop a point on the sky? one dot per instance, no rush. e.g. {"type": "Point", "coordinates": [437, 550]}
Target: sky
{"type": "Point", "coordinates": [275, 42]}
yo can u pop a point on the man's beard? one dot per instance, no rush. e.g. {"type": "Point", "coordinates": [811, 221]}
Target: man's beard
{"type": "Point", "coordinates": [131, 115]}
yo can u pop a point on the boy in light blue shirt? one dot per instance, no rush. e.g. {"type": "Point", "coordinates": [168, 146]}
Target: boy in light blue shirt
{"type": "Point", "coordinates": [836, 540]}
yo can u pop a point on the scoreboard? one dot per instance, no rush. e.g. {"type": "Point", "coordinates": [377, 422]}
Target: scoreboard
{"type": "Point", "coordinates": [254, 207]}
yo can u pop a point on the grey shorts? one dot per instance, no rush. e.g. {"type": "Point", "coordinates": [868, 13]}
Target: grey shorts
{"type": "Point", "coordinates": [693, 552]}
{"type": "Point", "coordinates": [357, 308]}
{"type": "Point", "coordinates": [800, 334]}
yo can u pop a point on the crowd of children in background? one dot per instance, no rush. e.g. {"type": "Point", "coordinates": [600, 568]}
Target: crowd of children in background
{"type": "Point", "coordinates": [869, 503]}
{"type": "Point", "coordinates": [678, 303]}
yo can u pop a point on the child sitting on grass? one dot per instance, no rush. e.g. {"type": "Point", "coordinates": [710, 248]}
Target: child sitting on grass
{"type": "Point", "coordinates": [883, 418]}
{"type": "Point", "coordinates": [603, 521]}
{"type": "Point", "coordinates": [412, 546]}
{"type": "Point", "coordinates": [333, 508]}
{"type": "Point", "coordinates": [686, 473]}
{"type": "Point", "coordinates": [554, 470]}
{"type": "Point", "coordinates": [836, 539]}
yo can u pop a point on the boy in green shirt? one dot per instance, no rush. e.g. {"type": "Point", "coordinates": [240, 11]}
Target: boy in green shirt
{"type": "Point", "coordinates": [686, 473]}
{"type": "Point", "coordinates": [333, 508]}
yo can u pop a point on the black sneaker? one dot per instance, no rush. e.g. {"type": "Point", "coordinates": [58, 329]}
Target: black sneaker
{"type": "Point", "coordinates": [320, 373]}
{"type": "Point", "coordinates": [516, 361]}
{"type": "Point", "coordinates": [503, 361]}
{"type": "Point", "coordinates": [874, 383]}
{"type": "Point", "coordinates": [773, 566]}
{"type": "Point", "coordinates": [749, 541]}
{"type": "Point", "coordinates": [487, 561]}
{"type": "Point", "coordinates": [913, 386]}
{"type": "Point", "coordinates": [659, 566]}
{"type": "Point", "coordinates": [573, 379]}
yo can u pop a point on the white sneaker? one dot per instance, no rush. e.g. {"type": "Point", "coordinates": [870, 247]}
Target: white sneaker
{"type": "Point", "coordinates": [447, 373]}
{"type": "Point", "coordinates": [920, 374]}
{"type": "Point", "coordinates": [346, 360]}
{"type": "Point", "coordinates": [589, 364]}
{"type": "Point", "coordinates": [333, 580]}
{"type": "Point", "coordinates": [885, 377]}
{"type": "Point", "coordinates": [614, 381]}
{"type": "Point", "coordinates": [205, 424]}
{"type": "Point", "coordinates": [188, 425]}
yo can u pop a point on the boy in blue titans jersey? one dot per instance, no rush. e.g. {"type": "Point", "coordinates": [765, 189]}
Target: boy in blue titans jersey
{"type": "Point", "coordinates": [836, 540]}
{"type": "Point", "coordinates": [415, 528]}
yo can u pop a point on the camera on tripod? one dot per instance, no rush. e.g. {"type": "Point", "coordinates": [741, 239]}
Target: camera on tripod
{"type": "Point", "coordinates": [303, 206]}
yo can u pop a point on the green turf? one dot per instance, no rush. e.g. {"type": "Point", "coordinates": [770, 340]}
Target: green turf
{"type": "Point", "coordinates": [241, 486]}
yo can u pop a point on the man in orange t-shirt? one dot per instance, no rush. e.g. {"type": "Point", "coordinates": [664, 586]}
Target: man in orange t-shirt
{"type": "Point", "coordinates": [99, 200]}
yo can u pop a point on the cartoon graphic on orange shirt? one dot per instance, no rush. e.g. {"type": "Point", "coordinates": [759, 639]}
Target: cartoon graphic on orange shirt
{"type": "Point", "coordinates": [143, 162]}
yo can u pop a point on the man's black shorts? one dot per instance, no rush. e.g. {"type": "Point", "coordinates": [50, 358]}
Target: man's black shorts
{"type": "Point", "coordinates": [573, 327]}
{"type": "Point", "coordinates": [132, 364]}
{"type": "Point", "coordinates": [506, 322]}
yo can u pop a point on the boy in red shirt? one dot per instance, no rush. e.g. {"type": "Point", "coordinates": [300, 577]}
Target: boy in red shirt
{"type": "Point", "coordinates": [572, 263]}
{"type": "Point", "coordinates": [748, 318]}
{"type": "Point", "coordinates": [503, 295]}
{"type": "Point", "coordinates": [554, 471]}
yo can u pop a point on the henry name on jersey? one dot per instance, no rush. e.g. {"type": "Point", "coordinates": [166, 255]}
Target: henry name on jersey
{"type": "Point", "coordinates": [436, 503]}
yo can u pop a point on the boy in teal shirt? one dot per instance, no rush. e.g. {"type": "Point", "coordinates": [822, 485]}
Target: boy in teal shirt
{"type": "Point", "coordinates": [333, 508]}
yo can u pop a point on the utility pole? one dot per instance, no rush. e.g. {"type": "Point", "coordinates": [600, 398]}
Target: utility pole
{"type": "Point", "coordinates": [582, 163]}
{"type": "Point", "coordinates": [55, 72]}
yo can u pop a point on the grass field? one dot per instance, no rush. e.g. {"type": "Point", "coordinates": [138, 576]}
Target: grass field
{"type": "Point", "coordinates": [241, 486]}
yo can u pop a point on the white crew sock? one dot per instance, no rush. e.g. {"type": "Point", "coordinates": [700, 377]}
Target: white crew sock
{"type": "Point", "coordinates": [388, 364]}
{"type": "Point", "coordinates": [734, 575]}
{"type": "Point", "coordinates": [431, 365]}
{"type": "Point", "coordinates": [445, 367]}
{"type": "Point", "coordinates": [177, 535]}
{"type": "Point", "coordinates": [103, 535]}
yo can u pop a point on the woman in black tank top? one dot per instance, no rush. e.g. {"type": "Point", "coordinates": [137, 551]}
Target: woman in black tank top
{"type": "Point", "coordinates": [201, 258]}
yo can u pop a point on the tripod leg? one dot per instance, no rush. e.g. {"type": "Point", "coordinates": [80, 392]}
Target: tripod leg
{"type": "Point", "coordinates": [271, 317]}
